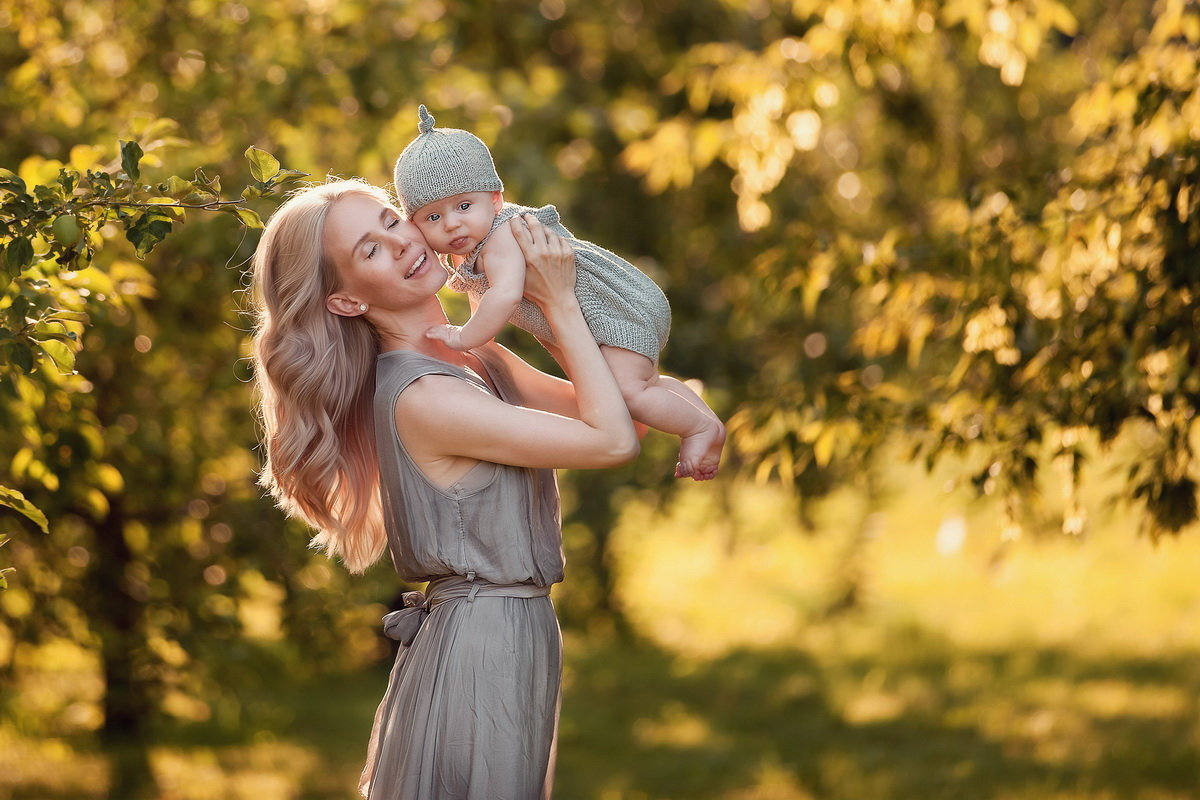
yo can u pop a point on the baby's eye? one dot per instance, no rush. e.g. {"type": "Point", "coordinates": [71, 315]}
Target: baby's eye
{"type": "Point", "coordinates": [463, 206]}
{"type": "Point", "coordinates": [434, 217]}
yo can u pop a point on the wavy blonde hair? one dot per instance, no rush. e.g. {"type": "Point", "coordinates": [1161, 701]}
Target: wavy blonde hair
{"type": "Point", "coordinates": [315, 375]}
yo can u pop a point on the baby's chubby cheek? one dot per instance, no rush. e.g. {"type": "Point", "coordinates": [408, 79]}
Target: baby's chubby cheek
{"type": "Point", "coordinates": [432, 238]}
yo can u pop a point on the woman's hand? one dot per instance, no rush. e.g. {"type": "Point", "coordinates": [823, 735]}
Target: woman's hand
{"type": "Point", "coordinates": [549, 262]}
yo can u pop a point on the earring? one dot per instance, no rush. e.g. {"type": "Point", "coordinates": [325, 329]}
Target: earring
{"type": "Point", "coordinates": [362, 306]}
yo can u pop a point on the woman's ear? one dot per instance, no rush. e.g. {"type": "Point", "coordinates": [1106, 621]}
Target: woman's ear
{"type": "Point", "coordinates": [344, 306]}
{"type": "Point", "coordinates": [497, 201]}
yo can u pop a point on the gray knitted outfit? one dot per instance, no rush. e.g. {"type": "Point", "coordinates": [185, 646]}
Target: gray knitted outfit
{"type": "Point", "coordinates": [622, 306]}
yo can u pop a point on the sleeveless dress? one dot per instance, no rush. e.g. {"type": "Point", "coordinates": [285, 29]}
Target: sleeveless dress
{"type": "Point", "coordinates": [622, 306]}
{"type": "Point", "coordinates": [471, 707]}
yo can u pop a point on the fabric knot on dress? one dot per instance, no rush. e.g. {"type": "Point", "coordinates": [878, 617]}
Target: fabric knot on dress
{"type": "Point", "coordinates": [402, 625]}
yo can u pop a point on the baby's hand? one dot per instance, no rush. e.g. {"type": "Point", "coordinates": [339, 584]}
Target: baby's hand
{"type": "Point", "coordinates": [450, 335]}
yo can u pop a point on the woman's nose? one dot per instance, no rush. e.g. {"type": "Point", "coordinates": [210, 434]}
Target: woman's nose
{"type": "Point", "coordinates": [398, 241]}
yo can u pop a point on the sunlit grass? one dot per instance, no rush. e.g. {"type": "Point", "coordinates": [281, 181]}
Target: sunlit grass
{"type": "Point", "coordinates": [971, 666]}
{"type": "Point", "coordinates": [716, 574]}
{"type": "Point", "coordinates": [1046, 667]}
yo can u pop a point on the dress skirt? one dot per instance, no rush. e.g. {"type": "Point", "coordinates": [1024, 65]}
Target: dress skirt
{"type": "Point", "coordinates": [471, 708]}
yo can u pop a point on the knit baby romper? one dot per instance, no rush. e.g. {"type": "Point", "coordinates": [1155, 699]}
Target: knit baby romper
{"type": "Point", "coordinates": [622, 305]}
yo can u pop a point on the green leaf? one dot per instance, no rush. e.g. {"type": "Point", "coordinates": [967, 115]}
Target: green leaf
{"type": "Point", "coordinates": [64, 313]}
{"type": "Point", "coordinates": [263, 165]}
{"type": "Point", "coordinates": [21, 354]}
{"type": "Point", "coordinates": [246, 216]}
{"type": "Point", "coordinates": [52, 193]}
{"type": "Point", "coordinates": [17, 502]}
{"type": "Point", "coordinates": [42, 334]}
{"type": "Point", "coordinates": [12, 182]}
{"type": "Point", "coordinates": [69, 179]}
{"type": "Point", "coordinates": [205, 183]}
{"type": "Point", "coordinates": [179, 188]}
{"type": "Point", "coordinates": [19, 310]}
{"type": "Point", "coordinates": [18, 255]}
{"type": "Point", "coordinates": [147, 230]}
{"type": "Point", "coordinates": [131, 154]}
{"type": "Point", "coordinates": [288, 176]}
{"type": "Point", "coordinates": [62, 355]}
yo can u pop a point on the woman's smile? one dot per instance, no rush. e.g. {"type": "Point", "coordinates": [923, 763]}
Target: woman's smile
{"type": "Point", "coordinates": [417, 266]}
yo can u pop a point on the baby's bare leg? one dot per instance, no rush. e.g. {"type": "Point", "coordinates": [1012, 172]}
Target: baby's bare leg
{"type": "Point", "coordinates": [652, 400]}
{"type": "Point", "coordinates": [685, 391]}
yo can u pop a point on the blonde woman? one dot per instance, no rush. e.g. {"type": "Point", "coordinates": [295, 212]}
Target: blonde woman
{"type": "Point", "coordinates": [376, 436]}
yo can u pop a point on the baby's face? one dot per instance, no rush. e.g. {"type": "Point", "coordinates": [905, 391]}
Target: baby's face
{"type": "Point", "coordinates": [457, 224]}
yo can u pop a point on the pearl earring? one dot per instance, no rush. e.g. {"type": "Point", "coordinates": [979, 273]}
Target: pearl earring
{"type": "Point", "coordinates": [362, 306]}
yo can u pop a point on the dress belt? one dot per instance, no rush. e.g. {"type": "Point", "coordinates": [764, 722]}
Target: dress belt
{"type": "Point", "coordinates": [402, 625]}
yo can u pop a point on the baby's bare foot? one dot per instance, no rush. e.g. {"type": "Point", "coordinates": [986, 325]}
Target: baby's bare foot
{"type": "Point", "coordinates": [700, 453]}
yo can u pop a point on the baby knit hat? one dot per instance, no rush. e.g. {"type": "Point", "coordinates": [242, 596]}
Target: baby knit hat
{"type": "Point", "coordinates": [440, 163]}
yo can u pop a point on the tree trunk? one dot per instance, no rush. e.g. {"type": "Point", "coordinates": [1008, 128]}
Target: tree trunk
{"type": "Point", "coordinates": [595, 509]}
{"type": "Point", "coordinates": [118, 612]}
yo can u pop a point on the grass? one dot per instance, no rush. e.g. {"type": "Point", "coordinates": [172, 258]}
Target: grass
{"type": "Point", "coordinates": [1046, 668]}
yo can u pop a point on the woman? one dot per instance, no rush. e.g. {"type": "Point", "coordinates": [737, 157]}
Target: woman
{"type": "Point", "coordinates": [376, 435]}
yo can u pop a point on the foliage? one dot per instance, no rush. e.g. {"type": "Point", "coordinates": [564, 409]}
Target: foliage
{"type": "Point", "coordinates": [50, 233]}
{"type": "Point", "coordinates": [988, 260]}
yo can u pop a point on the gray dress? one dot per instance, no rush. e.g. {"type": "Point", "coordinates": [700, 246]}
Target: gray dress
{"type": "Point", "coordinates": [471, 708]}
{"type": "Point", "coordinates": [622, 305]}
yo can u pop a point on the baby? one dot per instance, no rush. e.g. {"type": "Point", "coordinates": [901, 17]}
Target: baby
{"type": "Point", "coordinates": [447, 184]}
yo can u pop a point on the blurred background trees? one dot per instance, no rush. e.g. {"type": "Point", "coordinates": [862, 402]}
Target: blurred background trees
{"type": "Point", "coordinates": [968, 227]}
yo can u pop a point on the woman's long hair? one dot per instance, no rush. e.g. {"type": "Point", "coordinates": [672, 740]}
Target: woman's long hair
{"type": "Point", "coordinates": [315, 375]}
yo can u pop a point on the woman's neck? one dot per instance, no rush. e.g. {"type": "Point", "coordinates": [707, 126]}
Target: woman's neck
{"type": "Point", "coordinates": [405, 330]}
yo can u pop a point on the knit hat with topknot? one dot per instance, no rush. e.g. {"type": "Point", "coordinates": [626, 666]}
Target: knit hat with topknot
{"type": "Point", "coordinates": [440, 163]}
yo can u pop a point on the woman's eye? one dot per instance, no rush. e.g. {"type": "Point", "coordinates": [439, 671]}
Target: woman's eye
{"type": "Point", "coordinates": [393, 224]}
{"type": "Point", "coordinates": [371, 252]}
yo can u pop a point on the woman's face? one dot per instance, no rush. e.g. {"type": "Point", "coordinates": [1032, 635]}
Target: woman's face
{"type": "Point", "coordinates": [381, 259]}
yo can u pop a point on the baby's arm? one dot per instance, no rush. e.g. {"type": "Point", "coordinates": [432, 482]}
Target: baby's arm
{"type": "Point", "coordinates": [504, 265]}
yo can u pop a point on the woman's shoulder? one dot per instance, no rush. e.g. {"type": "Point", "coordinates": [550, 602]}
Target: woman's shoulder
{"type": "Point", "coordinates": [396, 370]}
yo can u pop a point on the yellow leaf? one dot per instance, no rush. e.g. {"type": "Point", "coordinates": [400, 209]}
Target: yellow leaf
{"type": "Point", "coordinates": [85, 156]}
{"type": "Point", "coordinates": [109, 478]}
{"type": "Point", "coordinates": [1062, 18]}
{"type": "Point", "coordinates": [823, 447]}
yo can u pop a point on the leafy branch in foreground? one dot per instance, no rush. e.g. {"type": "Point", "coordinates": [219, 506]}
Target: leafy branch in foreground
{"type": "Point", "coordinates": [50, 233]}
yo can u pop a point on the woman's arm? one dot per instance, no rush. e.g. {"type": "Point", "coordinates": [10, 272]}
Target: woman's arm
{"type": "Point", "coordinates": [504, 265]}
{"type": "Point", "coordinates": [543, 391]}
{"type": "Point", "coordinates": [445, 419]}
{"type": "Point", "coordinates": [537, 389]}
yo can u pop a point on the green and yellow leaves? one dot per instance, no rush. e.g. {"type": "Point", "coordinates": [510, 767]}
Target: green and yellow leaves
{"type": "Point", "coordinates": [268, 176]}
{"type": "Point", "coordinates": [17, 502]}
{"type": "Point", "coordinates": [18, 254]}
{"type": "Point", "coordinates": [52, 222]}
{"type": "Point", "coordinates": [131, 155]}
{"type": "Point", "coordinates": [263, 165]}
